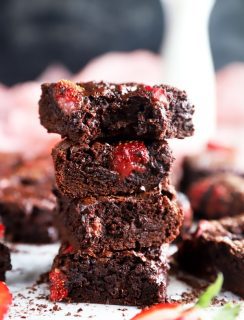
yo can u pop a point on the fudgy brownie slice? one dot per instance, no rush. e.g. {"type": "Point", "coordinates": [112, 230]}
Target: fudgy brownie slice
{"type": "Point", "coordinates": [5, 263]}
{"type": "Point", "coordinates": [27, 202]}
{"type": "Point", "coordinates": [96, 225]}
{"type": "Point", "coordinates": [217, 196]}
{"type": "Point", "coordinates": [216, 246]}
{"type": "Point", "coordinates": [103, 169]}
{"type": "Point", "coordinates": [124, 277]}
{"type": "Point", "coordinates": [95, 110]}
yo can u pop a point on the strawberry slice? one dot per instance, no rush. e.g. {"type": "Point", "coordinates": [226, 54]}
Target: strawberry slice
{"type": "Point", "coordinates": [2, 231]}
{"type": "Point", "coordinates": [167, 311]}
{"type": "Point", "coordinates": [5, 299]}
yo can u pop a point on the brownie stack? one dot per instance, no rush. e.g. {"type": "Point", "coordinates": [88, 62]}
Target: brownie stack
{"type": "Point", "coordinates": [116, 210]}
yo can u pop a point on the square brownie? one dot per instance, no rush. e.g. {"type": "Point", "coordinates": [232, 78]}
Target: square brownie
{"type": "Point", "coordinates": [122, 277]}
{"type": "Point", "coordinates": [27, 202]}
{"type": "Point", "coordinates": [216, 246]}
{"type": "Point", "coordinates": [217, 196]}
{"type": "Point", "coordinates": [5, 263]}
{"type": "Point", "coordinates": [85, 112]}
{"type": "Point", "coordinates": [103, 169]}
{"type": "Point", "coordinates": [100, 224]}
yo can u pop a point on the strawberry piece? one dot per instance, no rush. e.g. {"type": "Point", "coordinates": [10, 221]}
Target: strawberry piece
{"type": "Point", "coordinates": [130, 156]}
{"type": "Point", "coordinates": [158, 94]}
{"type": "Point", "coordinates": [2, 231]}
{"type": "Point", "coordinates": [58, 290]}
{"type": "Point", "coordinates": [196, 192]}
{"type": "Point", "coordinates": [167, 311]}
{"type": "Point", "coordinates": [214, 146]}
{"type": "Point", "coordinates": [5, 299]}
{"type": "Point", "coordinates": [69, 249]}
{"type": "Point", "coordinates": [66, 94]}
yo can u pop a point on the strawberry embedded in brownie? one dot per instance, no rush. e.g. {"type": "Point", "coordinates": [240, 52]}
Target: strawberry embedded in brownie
{"type": "Point", "coordinates": [118, 168]}
{"type": "Point", "coordinates": [127, 277]}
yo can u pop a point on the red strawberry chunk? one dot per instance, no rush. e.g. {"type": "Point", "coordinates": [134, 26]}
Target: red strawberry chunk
{"type": "Point", "coordinates": [66, 94]}
{"type": "Point", "coordinates": [2, 231]}
{"type": "Point", "coordinates": [129, 157]}
{"type": "Point", "coordinates": [167, 312]}
{"type": "Point", "coordinates": [69, 249]}
{"type": "Point", "coordinates": [158, 94]}
{"type": "Point", "coordinates": [58, 290]}
{"type": "Point", "coordinates": [5, 299]}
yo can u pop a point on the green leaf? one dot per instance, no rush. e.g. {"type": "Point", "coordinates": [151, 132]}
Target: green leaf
{"type": "Point", "coordinates": [228, 312]}
{"type": "Point", "coordinates": [211, 292]}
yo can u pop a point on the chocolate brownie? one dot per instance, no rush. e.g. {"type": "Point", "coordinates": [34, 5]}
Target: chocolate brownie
{"type": "Point", "coordinates": [5, 263]}
{"type": "Point", "coordinates": [216, 246]}
{"type": "Point", "coordinates": [85, 112]}
{"type": "Point", "coordinates": [9, 162]}
{"type": "Point", "coordinates": [103, 169]}
{"type": "Point", "coordinates": [111, 223]}
{"type": "Point", "coordinates": [214, 159]}
{"type": "Point", "coordinates": [217, 196]}
{"type": "Point", "coordinates": [27, 202]}
{"type": "Point", "coordinates": [122, 277]}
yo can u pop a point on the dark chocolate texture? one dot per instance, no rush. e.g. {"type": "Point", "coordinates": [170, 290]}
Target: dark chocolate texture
{"type": "Point", "coordinates": [90, 111]}
{"type": "Point", "coordinates": [103, 169]}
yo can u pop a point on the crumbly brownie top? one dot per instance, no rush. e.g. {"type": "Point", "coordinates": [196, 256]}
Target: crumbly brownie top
{"type": "Point", "coordinates": [229, 231]}
{"type": "Point", "coordinates": [94, 110]}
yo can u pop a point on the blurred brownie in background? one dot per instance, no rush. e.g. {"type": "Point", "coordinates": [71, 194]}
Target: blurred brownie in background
{"type": "Point", "coordinates": [217, 196]}
{"type": "Point", "coordinates": [216, 246]}
{"type": "Point", "coordinates": [27, 201]}
{"type": "Point", "coordinates": [216, 158]}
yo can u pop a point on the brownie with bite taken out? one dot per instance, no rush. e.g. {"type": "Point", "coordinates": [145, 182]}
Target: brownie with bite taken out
{"type": "Point", "coordinates": [90, 111]}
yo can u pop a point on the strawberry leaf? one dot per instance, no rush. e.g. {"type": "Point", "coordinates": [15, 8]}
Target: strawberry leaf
{"type": "Point", "coordinates": [227, 312]}
{"type": "Point", "coordinates": [211, 292]}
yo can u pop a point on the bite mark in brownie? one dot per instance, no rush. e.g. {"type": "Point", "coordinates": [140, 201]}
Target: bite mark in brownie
{"type": "Point", "coordinates": [122, 278]}
{"type": "Point", "coordinates": [101, 224]}
{"type": "Point", "coordinates": [97, 110]}
{"type": "Point", "coordinates": [217, 196]}
{"type": "Point", "coordinates": [216, 246]}
{"type": "Point", "coordinates": [102, 169]}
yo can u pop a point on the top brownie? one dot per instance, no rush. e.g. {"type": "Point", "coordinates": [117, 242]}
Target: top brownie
{"type": "Point", "coordinates": [88, 111]}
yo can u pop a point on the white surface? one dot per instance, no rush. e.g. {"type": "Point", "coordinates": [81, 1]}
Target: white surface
{"type": "Point", "coordinates": [31, 261]}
